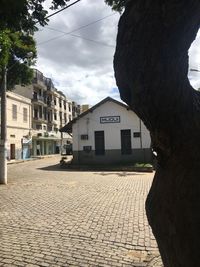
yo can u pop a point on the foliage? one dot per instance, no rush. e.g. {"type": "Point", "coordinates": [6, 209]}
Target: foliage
{"type": "Point", "coordinates": [117, 5]}
{"type": "Point", "coordinates": [19, 21]}
{"type": "Point", "coordinates": [13, 55]}
{"type": "Point", "coordinates": [22, 15]}
{"type": "Point", "coordinates": [143, 165]}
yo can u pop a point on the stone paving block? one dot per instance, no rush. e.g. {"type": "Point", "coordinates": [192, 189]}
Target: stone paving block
{"type": "Point", "coordinates": [63, 218]}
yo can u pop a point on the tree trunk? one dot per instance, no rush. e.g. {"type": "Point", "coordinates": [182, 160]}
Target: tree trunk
{"type": "Point", "coordinates": [151, 66]}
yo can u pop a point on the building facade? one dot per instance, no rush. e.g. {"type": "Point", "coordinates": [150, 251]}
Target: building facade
{"type": "Point", "coordinates": [19, 126]}
{"type": "Point", "coordinates": [108, 133]}
{"type": "Point", "coordinates": [50, 111]}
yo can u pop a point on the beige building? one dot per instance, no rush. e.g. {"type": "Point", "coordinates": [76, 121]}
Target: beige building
{"type": "Point", "coordinates": [19, 124]}
{"type": "Point", "coordinates": [50, 111]}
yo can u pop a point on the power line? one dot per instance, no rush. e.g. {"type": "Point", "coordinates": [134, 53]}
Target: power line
{"type": "Point", "coordinates": [51, 15]}
{"type": "Point", "coordinates": [81, 37]}
{"type": "Point", "coordinates": [86, 25]}
{"type": "Point", "coordinates": [78, 36]}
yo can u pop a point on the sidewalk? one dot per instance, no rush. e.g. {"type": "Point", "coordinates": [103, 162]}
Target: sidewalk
{"type": "Point", "coordinates": [16, 161]}
{"type": "Point", "coordinates": [51, 217]}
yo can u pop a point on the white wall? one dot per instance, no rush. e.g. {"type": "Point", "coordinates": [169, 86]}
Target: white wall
{"type": "Point", "coordinates": [91, 122]}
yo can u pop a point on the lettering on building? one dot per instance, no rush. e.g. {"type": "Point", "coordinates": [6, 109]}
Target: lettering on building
{"type": "Point", "coordinates": [110, 119]}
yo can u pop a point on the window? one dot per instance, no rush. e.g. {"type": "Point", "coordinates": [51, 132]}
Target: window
{"type": "Point", "coordinates": [55, 116]}
{"type": "Point", "coordinates": [60, 114]}
{"type": "Point", "coordinates": [49, 128]}
{"type": "Point", "coordinates": [45, 113]}
{"type": "Point", "coordinates": [35, 97]}
{"type": "Point", "coordinates": [25, 114]}
{"type": "Point", "coordinates": [87, 149]}
{"type": "Point", "coordinates": [99, 143]}
{"type": "Point", "coordinates": [65, 118]}
{"type": "Point", "coordinates": [84, 137]}
{"type": "Point", "coordinates": [38, 127]}
{"type": "Point", "coordinates": [14, 112]}
{"type": "Point", "coordinates": [136, 134]}
{"type": "Point", "coordinates": [40, 111]}
{"type": "Point", "coordinates": [65, 107]}
{"type": "Point", "coordinates": [126, 142]}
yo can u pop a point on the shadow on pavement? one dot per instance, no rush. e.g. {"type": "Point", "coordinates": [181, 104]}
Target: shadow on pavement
{"type": "Point", "coordinates": [121, 174]}
{"type": "Point", "coordinates": [98, 171]}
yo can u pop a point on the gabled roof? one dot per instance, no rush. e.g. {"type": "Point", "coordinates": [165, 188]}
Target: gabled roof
{"type": "Point", "coordinates": [68, 127]}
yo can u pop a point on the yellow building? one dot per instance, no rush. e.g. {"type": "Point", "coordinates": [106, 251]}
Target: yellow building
{"type": "Point", "coordinates": [19, 124]}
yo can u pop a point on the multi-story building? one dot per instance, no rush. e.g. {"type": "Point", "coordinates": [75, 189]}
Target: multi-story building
{"type": "Point", "coordinates": [76, 110]}
{"type": "Point", "coordinates": [19, 126]}
{"type": "Point", "coordinates": [50, 111]}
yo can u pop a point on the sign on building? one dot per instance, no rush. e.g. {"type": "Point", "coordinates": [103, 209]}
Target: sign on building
{"type": "Point", "coordinates": [110, 119]}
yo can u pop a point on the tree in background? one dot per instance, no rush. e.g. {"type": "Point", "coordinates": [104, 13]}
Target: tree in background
{"type": "Point", "coordinates": [19, 21]}
{"type": "Point", "coordinates": [151, 67]}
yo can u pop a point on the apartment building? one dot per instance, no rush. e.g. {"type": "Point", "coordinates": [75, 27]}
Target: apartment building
{"type": "Point", "coordinates": [76, 110]}
{"type": "Point", "coordinates": [19, 126]}
{"type": "Point", "coordinates": [50, 111]}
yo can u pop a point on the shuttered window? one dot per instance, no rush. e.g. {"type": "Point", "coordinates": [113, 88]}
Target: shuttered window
{"type": "Point", "coordinates": [14, 112]}
{"type": "Point", "coordinates": [25, 114]}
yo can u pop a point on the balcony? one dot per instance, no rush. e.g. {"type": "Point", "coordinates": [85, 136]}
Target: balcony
{"type": "Point", "coordinates": [38, 98]}
{"type": "Point", "coordinates": [40, 119]}
{"type": "Point", "coordinates": [49, 85]}
{"type": "Point", "coordinates": [50, 104]}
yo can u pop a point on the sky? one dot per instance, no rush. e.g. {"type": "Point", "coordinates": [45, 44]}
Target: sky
{"type": "Point", "coordinates": [76, 51]}
{"type": "Point", "coordinates": [81, 68]}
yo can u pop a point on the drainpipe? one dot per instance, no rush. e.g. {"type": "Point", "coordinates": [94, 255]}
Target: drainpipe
{"type": "Point", "coordinates": [140, 125]}
{"type": "Point", "coordinates": [141, 144]}
{"type": "Point", "coordinates": [78, 143]}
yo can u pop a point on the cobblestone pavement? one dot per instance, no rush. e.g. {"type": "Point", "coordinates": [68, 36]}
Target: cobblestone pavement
{"type": "Point", "coordinates": [54, 217]}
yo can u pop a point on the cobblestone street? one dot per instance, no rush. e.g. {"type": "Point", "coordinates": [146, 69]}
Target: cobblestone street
{"type": "Point", "coordinates": [55, 217]}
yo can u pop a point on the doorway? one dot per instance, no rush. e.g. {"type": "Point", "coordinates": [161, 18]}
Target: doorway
{"type": "Point", "coordinates": [12, 151]}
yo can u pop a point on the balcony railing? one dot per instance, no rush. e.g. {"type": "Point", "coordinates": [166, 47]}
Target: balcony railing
{"type": "Point", "coordinates": [50, 104]}
{"type": "Point", "coordinates": [38, 98]}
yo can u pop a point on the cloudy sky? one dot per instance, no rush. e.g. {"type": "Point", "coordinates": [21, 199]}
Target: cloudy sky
{"type": "Point", "coordinates": [80, 63]}
{"type": "Point", "coordinates": [76, 50]}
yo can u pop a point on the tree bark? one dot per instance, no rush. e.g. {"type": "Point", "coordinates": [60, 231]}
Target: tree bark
{"type": "Point", "coordinates": [151, 67]}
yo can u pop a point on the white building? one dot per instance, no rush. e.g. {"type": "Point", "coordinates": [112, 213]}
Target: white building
{"type": "Point", "coordinates": [50, 111]}
{"type": "Point", "coordinates": [109, 132]}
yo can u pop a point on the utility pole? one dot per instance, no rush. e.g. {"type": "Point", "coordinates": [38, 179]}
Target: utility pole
{"type": "Point", "coordinates": [3, 140]}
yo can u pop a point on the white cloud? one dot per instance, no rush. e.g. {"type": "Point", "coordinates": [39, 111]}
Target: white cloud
{"type": "Point", "coordinates": [82, 69]}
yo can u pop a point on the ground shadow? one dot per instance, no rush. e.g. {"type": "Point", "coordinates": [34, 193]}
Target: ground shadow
{"type": "Point", "coordinates": [99, 170]}
{"type": "Point", "coordinates": [120, 174]}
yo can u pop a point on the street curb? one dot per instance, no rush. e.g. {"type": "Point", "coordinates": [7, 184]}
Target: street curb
{"type": "Point", "coordinates": [31, 159]}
